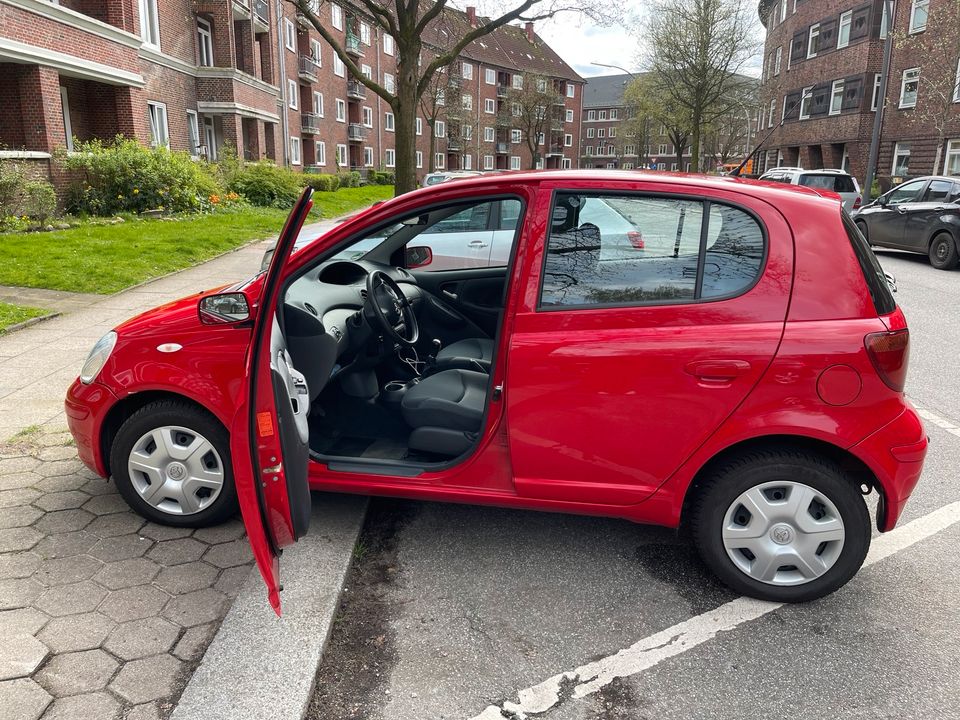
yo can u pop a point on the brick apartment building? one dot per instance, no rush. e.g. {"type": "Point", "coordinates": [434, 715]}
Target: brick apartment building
{"type": "Point", "coordinates": [197, 74]}
{"type": "Point", "coordinates": [821, 76]}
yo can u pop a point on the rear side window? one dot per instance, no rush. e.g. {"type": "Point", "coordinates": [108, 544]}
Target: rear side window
{"type": "Point", "coordinates": [938, 190]}
{"type": "Point", "coordinates": [642, 250]}
{"type": "Point", "coordinates": [876, 279]}
{"type": "Point", "coordinates": [828, 181]}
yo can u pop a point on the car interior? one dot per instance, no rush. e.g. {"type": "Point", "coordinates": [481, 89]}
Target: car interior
{"type": "Point", "coordinates": [397, 356]}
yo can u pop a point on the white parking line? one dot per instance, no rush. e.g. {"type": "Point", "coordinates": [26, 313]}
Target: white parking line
{"type": "Point", "coordinates": [652, 650]}
{"type": "Point", "coordinates": [937, 420]}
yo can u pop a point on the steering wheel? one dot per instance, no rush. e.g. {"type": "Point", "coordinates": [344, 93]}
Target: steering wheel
{"type": "Point", "coordinates": [389, 308]}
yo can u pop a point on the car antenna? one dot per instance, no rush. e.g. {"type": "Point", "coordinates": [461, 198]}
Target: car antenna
{"type": "Point", "coordinates": [743, 163]}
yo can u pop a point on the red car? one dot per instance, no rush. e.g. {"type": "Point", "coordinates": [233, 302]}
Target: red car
{"type": "Point", "coordinates": [741, 378]}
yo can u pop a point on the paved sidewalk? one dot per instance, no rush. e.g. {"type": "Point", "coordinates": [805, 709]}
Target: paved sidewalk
{"type": "Point", "coordinates": [55, 300]}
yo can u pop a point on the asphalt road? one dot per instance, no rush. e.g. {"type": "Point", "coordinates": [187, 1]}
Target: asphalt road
{"type": "Point", "coordinates": [453, 610]}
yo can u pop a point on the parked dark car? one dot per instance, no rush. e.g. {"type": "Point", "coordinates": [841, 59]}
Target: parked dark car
{"type": "Point", "coordinates": [921, 215]}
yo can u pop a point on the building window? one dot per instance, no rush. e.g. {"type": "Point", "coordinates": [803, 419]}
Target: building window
{"type": "Point", "coordinates": [836, 97]}
{"type": "Point", "coordinates": [588, 150]}
{"type": "Point", "coordinates": [591, 132]}
{"type": "Point", "coordinates": [488, 162]}
{"type": "Point", "coordinates": [568, 140]}
{"type": "Point", "coordinates": [466, 101]}
{"type": "Point", "coordinates": [204, 43]}
{"type": "Point", "coordinates": [901, 159]}
{"type": "Point", "coordinates": [956, 84]}
{"type": "Point", "coordinates": [318, 103]}
{"type": "Point", "coordinates": [571, 90]}
{"type": "Point", "coordinates": [439, 160]}
{"type": "Point", "coordinates": [614, 114]}
{"type": "Point", "coordinates": [339, 69]}
{"type": "Point", "coordinates": [662, 150]}
{"type": "Point", "coordinates": [918, 15]}
{"type": "Point", "coordinates": [569, 116]}
{"type": "Point", "coordinates": [468, 162]}
{"type": "Point", "coordinates": [951, 165]}
{"type": "Point", "coordinates": [388, 82]}
{"type": "Point", "coordinates": [602, 115]}
{"type": "Point", "coordinates": [341, 110]}
{"type": "Point", "coordinates": [518, 82]}
{"type": "Point", "coordinates": [364, 33]}
{"type": "Point", "coordinates": [466, 70]}
{"type": "Point", "coordinates": [845, 160]}
{"type": "Point", "coordinates": [613, 132]}
{"type": "Point", "coordinates": [441, 97]}
{"type": "Point", "coordinates": [67, 125]}
{"type": "Point", "coordinates": [489, 106]}
{"type": "Point", "coordinates": [367, 71]}
{"type": "Point", "coordinates": [368, 157]}
{"type": "Point", "coordinates": [149, 22]}
{"type": "Point", "coordinates": [367, 114]}
{"type": "Point", "coordinates": [489, 134]}
{"type": "Point", "coordinates": [419, 126]}
{"type": "Point", "coordinates": [193, 128]}
{"type": "Point", "coordinates": [391, 157]}
{"type": "Point", "coordinates": [467, 131]}
{"type": "Point", "coordinates": [514, 162]}
{"type": "Point", "coordinates": [316, 52]}
{"type": "Point", "coordinates": [321, 147]}
{"type": "Point", "coordinates": [909, 85]}
{"type": "Point", "coordinates": [490, 76]}
{"type": "Point", "coordinates": [812, 39]}
{"type": "Point", "coordinates": [388, 44]}
{"type": "Point", "coordinates": [439, 128]}
{"type": "Point", "coordinates": [516, 109]}
{"type": "Point", "coordinates": [875, 99]}
{"type": "Point", "coordinates": [516, 136]}
{"type": "Point", "coordinates": [601, 132]}
{"type": "Point", "coordinates": [289, 35]}
{"type": "Point", "coordinates": [777, 61]}
{"type": "Point", "coordinates": [295, 151]}
{"type": "Point", "coordinates": [591, 115]}
{"type": "Point", "coordinates": [293, 92]}
{"type": "Point", "coordinates": [210, 138]}
{"type": "Point", "coordinates": [884, 21]}
{"type": "Point", "coordinates": [389, 124]}
{"type": "Point", "coordinates": [159, 134]}
{"type": "Point", "coordinates": [341, 155]}
{"type": "Point", "coordinates": [336, 16]}
{"type": "Point", "coordinates": [843, 32]}
{"type": "Point", "coordinates": [773, 109]}
{"type": "Point", "coordinates": [805, 102]}
{"type": "Point", "coordinates": [419, 159]}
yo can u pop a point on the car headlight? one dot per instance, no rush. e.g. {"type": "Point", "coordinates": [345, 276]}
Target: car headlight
{"type": "Point", "coordinates": [98, 357]}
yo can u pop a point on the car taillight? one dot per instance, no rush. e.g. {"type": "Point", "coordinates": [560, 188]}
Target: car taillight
{"type": "Point", "coordinates": [890, 352]}
{"type": "Point", "coordinates": [856, 203]}
{"type": "Point", "coordinates": [636, 239]}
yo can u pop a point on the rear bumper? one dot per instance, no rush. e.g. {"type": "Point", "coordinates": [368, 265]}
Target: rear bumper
{"type": "Point", "coordinates": [86, 406]}
{"type": "Point", "coordinates": [895, 453]}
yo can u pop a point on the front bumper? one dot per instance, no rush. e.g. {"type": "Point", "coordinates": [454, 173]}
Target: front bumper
{"type": "Point", "coordinates": [86, 407]}
{"type": "Point", "coordinates": [895, 453]}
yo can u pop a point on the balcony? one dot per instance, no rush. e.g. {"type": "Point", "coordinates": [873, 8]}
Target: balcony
{"type": "Point", "coordinates": [558, 101]}
{"type": "Point", "coordinates": [503, 148]}
{"type": "Point", "coordinates": [455, 80]}
{"type": "Point", "coordinates": [454, 144]}
{"type": "Point", "coordinates": [353, 45]}
{"type": "Point", "coordinates": [302, 18]}
{"type": "Point", "coordinates": [356, 90]}
{"type": "Point", "coordinates": [356, 132]}
{"type": "Point", "coordinates": [503, 121]}
{"type": "Point", "coordinates": [555, 149]}
{"type": "Point", "coordinates": [261, 14]}
{"type": "Point", "coordinates": [308, 68]}
{"type": "Point", "coordinates": [310, 123]}
{"type": "Point", "coordinates": [502, 91]}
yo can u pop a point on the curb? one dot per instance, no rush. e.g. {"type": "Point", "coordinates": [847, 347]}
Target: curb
{"type": "Point", "coordinates": [261, 666]}
{"type": "Point", "coordinates": [27, 323]}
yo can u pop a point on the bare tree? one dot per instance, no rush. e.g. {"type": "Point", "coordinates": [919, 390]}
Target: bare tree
{"type": "Point", "coordinates": [432, 103]}
{"type": "Point", "coordinates": [531, 109]}
{"type": "Point", "coordinates": [415, 26]}
{"type": "Point", "coordinates": [654, 108]}
{"type": "Point", "coordinates": [697, 48]}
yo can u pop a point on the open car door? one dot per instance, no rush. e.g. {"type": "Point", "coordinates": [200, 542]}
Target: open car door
{"type": "Point", "coordinates": [269, 434]}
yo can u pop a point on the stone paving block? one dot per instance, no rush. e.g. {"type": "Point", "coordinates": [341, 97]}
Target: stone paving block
{"type": "Point", "coordinates": [63, 571]}
{"type": "Point", "coordinates": [19, 516]}
{"type": "Point", "coordinates": [20, 654]}
{"type": "Point", "coordinates": [59, 467]}
{"type": "Point", "coordinates": [181, 579]}
{"type": "Point", "coordinates": [18, 593]}
{"type": "Point", "coordinates": [231, 530]}
{"type": "Point", "coordinates": [91, 706]}
{"type": "Point", "coordinates": [20, 480]}
{"type": "Point", "coordinates": [134, 603]}
{"type": "Point", "coordinates": [75, 673]}
{"type": "Point", "coordinates": [106, 504]}
{"type": "Point", "coordinates": [61, 500]}
{"type": "Point", "coordinates": [197, 608]}
{"type": "Point", "coordinates": [122, 523]}
{"type": "Point", "coordinates": [18, 565]}
{"type": "Point", "coordinates": [71, 599]}
{"type": "Point", "coordinates": [60, 483]}
{"type": "Point", "coordinates": [121, 547]}
{"type": "Point", "coordinates": [127, 573]}
{"type": "Point", "coordinates": [164, 532]}
{"type": "Point", "coordinates": [175, 552]}
{"type": "Point", "coordinates": [97, 485]}
{"type": "Point", "coordinates": [64, 521]}
{"type": "Point", "coordinates": [76, 632]}
{"type": "Point", "coordinates": [231, 580]}
{"type": "Point", "coordinates": [22, 620]}
{"type": "Point", "coordinates": [57, 452]}
{"type": "Point", "coordinates": [229, 554]}
{"type": "Point", "coordinates": [17, 465]}
{"type": "Point", "coordinates": [149, 679]}
{"type": "Point", "coordinates": [147, 711]}
{"type": "Point", "coordinates": [20, 496]}
{"type": "Point", "coordinates": [194, 641]}
{"type": "Point", "coordinates": [62, 545]}
{"type": "Point", "coordinates": [18, 539]}
{"type": "Point", "coordinates": [56, 438]}
{"type": "Point", "coordinates": [141, 638]}
{"type": "Point", "coordinates": [22, 700]}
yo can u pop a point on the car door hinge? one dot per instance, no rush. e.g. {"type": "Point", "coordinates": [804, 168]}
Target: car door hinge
{"type": "Point", "coordinates": [498, 391]}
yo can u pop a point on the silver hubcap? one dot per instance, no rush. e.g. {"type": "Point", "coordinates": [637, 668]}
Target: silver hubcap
{"type": "Point", "coordinates": [783, 533]}
{"type": "Point", "coordinates": [176, 470]}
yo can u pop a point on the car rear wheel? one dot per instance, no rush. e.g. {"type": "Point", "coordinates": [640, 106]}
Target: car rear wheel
{"type": "Point", "coordinates": [785, 526]}
{"type": "Point", "coordinates": [943, 252]}
{"type": "Point", "coordinates": [171, 463]}
{"type": "Point", "coordinates": [862, 227]}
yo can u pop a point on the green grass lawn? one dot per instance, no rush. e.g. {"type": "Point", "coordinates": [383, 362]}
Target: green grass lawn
{"type": "Point", "coordinates": [108, 258]}
{"type": "Point", "coordinates": [13, 314]}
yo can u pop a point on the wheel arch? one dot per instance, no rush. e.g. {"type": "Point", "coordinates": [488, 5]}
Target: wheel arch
{"type": "Point", "coordinates": [854, 468]}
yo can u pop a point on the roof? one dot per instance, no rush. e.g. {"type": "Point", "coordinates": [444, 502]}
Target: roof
{"type": "Point", "coordinates": [606, 90]}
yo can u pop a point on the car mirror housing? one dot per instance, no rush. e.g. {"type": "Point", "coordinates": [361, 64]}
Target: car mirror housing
{"type": "Point", "coordinates": [881, 201]}
{"type": "Point", "coordinates": [224, 309]}
{"type": "Point", "coordinates": [418, 256]}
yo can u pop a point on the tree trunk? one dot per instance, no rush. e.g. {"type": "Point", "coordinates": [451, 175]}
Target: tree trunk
{"type": "Point", "coordinates": [695, 144]}
{"type": "Point", "coordinates": [680, 166]}
{"type": "Point", "coordinates": [405, 114]}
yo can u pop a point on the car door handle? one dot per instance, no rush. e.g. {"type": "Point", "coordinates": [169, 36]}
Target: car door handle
{"type": "Point", "coordinates": [717, 371]}
{"type": "Point", "coordinates": [449, 294]}
{"type": "Point", "coordinates": [902, 210]}
{"type": "Point", "coordinates": [477, 244]}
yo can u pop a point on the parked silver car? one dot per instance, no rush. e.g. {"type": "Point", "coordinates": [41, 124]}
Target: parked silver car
{"type": "Point", "coordinates": [839, 181]}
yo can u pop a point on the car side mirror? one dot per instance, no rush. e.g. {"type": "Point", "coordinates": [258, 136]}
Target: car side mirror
{"type": "Point", "coordinates": [881, 201]}
{"type": "Point", "coordinates": [224, 309]}
{"type": "Point", "coordinates": [418, 256]}
{"type": "Point", "coordinates": [891, 282]}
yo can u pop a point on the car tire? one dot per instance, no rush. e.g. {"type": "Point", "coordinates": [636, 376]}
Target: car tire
{"type": "Point", "coordinates": [192, 500]}
{"type": "Point", "coordinates": [862, 227]}
{"type": "Point", "coordinates": [718, 514]}
{"type": "Point", "coordinates": [943, 251]}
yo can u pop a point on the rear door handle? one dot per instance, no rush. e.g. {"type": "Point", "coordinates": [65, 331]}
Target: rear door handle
{"type": "Point", "coordinates": [717, 371]}
{"type": "Point", "coordinates": [477, 244]}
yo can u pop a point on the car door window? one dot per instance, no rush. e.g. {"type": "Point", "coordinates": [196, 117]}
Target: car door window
{"type": "Point", "coordinates": [630, 249]}
{"type": "Point", "coordinates": [509, 214]}
{"type": "Point", "coordinates": [473, 219]}
{"type": "Point", "coordinates": [938, 191]}
{"type": "Point", "coordinates": [907, 192]}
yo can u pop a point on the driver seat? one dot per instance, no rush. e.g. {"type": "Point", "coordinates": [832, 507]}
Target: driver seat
{"type": "Point", "coordinates": [445, 411]}
{"type": "Point", "coordinates": [462, 353]}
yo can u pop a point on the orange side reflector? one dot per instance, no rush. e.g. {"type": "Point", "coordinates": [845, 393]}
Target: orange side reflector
{"type": "Point", "coordinates": [265, 424]}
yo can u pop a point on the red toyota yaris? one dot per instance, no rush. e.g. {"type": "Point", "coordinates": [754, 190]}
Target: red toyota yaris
{"type": "Point", "coordinates": [740, 375]}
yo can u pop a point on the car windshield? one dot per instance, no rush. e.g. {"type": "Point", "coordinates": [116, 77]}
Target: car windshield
{"type": "Point", "coordinates": [828, 181]}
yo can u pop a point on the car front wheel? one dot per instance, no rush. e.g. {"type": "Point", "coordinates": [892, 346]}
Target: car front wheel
{"type": "Point", "coordinates": [785, 526]}
{"type": "Point", "coordinates": [171, 463]}
{"type": "Point", "coordinates": [943, 252]}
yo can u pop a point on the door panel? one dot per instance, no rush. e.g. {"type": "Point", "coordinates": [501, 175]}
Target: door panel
{"type": "Point", "coordinates": [476, 294]}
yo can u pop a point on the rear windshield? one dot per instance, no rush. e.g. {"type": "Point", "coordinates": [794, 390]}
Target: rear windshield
{"type": "Point", "coordinates": [876, 279]}
{"type": "Point", "coordinates": [828, 181]}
